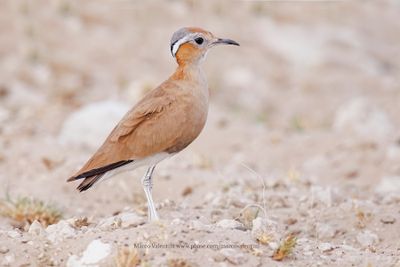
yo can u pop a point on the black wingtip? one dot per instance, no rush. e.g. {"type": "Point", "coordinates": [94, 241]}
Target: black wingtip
{"type": "Point", "coordinates": [70, 179]}
{"type": "Point", "coordinates": [101, 170]}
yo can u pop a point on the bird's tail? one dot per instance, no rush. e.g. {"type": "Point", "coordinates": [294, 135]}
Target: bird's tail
{"type": "Point", "coordinates": [88, 182]}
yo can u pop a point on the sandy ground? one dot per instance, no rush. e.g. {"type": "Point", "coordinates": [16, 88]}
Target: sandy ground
{"type": "Point", "coordinates": [302, 137]}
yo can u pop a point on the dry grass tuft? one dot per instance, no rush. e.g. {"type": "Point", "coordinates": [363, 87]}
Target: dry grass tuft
{"type": "Point", "coordinates": [81, 222]}
{"type": "Point", "coordinates": [127, 257]}
{"type": "Point", "coordinates": [285, 248]}
{"type": "Point", "coordinates": [362, 218]}
{"type": "Point", "coordinates": [178, 263]}
{"type": "Point", "coordinates": [26, 210]}
{"type": "Point", "coordinates": [264, 238]}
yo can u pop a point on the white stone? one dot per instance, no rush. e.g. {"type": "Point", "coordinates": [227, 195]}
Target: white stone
{"type": "Point", "coordinates": [233, 256]}
{"type": "Point", "coordinates": [367, 238]}
{"type": "Point", "coordinates": [109, 223]}
{"type": "Point", "coordinates": [94, 253]}
{"type": "Point", "coordinates": [91, 124]}
{"type": "Point", "coordinates": [124, 220]}
{"type": "Point", "coordinates": [13, 234]}
{"type": "Point", "coordinates": [325, 247]}
{"type": "Point", "coordinates": [36, 228]}
{"type": "Point", "coordinates": [362, 119]}
{"type": "Point", "coordinates": [273, 245]}
{"type": "Point", "coordinates": [59, 231]}
{"type": "Point", "coordinates": [130, 219]}
{"type": "Point", "coordinates": [4, 250]}
{"type": "Point", "coordinates": [229, 224]}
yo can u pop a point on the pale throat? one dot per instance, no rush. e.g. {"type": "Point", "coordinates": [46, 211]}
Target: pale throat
{"type": "Point", "coordinates": [193, 72]}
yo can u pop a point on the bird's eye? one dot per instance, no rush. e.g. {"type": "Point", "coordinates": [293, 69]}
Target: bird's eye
{"type": "Point", "coordinates": [199, 40]}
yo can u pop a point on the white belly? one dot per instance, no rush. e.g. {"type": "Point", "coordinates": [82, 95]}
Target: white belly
{"type": "Point", "coordinates": [148, 161]}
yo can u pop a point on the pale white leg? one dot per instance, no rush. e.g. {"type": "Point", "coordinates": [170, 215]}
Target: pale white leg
{"type": "Point", "coordinates": [147, 186]}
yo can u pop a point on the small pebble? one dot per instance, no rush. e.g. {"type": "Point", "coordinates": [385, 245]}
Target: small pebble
{"type": "Point", "coordinates": [13, 234]}
{"type": "Point", "coordinates": [325, 247]}
{"type": "Point", "coordinates": [4, 250]}
{"type": "Point", "coordinates": [388, 219]}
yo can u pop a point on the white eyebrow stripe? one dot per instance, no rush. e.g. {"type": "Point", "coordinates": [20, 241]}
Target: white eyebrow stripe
{"type": "Point", "coordinates": [177, 44]}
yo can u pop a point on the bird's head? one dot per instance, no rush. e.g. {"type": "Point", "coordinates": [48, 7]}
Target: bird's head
{"type": "Point", "coordinates": [190, 44]}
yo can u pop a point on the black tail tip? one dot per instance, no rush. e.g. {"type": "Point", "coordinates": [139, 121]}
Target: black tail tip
{"type": "Point", "coordinates": [82, 188]}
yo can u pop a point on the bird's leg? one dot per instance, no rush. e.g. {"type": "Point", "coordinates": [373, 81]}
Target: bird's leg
{"type": "Point", "coordinates": [147, 186]}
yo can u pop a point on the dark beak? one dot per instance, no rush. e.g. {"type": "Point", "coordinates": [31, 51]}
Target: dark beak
{"type": "Point", "coordinates": [225, 41]}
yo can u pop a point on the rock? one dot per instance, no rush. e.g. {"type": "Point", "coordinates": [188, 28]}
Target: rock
{"type": "Point", "coordinates": [233, 256]}
{"type": "Point", "coordinates": [389, 185]}
{"type": "Point", "coordinates": [58, 232]}
{"type": "Point", "coordinates": [130, 219]}
{"type": "Point", "coordinates": [367, 238]}
{"type": "Point", "coordinates": [273, 245]}
{"type": "Point", "coordinates": [109, 223]}
{"type": "Point", "coordinates": [325, 231]}
{"type": "Point", "coordinates": [91, 124]}
{"type": "Point", "coordinates": [14, 234]}
{"type": "Point", "coordinates": [36, 228]}
{"type": "Point", "coordinates": [325, 247]}
{"type": "Point", "coordinates": [362, 119]}
{"type": "Point", "coordinates": [388, 219]}
{"type": "Point", "coordinates": [4, 249]}
{"type": "Point", "coordinates": [219, 257]}
{"type": "Point", "coordinates": [94, 253]}
{"type": "Point", "coordinates": [229, 224]}
{"type": "Point", "coordinates": [124, 220]}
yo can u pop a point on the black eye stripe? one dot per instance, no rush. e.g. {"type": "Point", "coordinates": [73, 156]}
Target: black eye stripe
{"type": "Point", "coordinates": [199, 40]}
{"type": "Point", "coordinates": [172, 45]}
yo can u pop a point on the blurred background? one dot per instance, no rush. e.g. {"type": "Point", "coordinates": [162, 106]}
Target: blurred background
{"type": "Point", "coordinates": [312, 94]}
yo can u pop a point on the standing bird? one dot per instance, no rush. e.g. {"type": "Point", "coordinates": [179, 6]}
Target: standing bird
{"type": "Point", "coordinates": [164, 122]}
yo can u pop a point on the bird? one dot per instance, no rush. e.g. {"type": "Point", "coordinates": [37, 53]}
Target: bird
{"type": "Point", "coordinates": [164, 122]}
